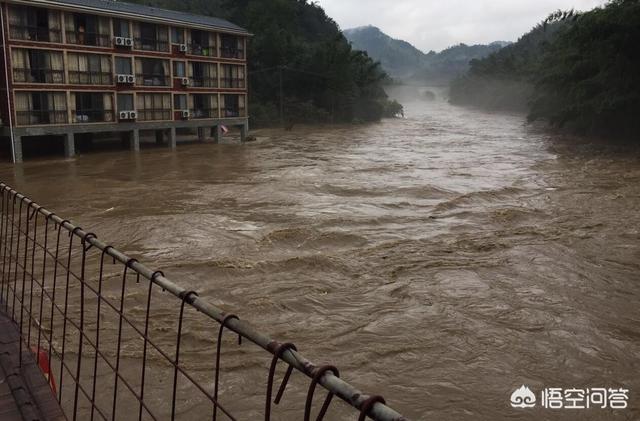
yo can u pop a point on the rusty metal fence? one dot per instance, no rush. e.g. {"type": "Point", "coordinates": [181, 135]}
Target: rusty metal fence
{"type": "Point", "coordinates": [91, 313]}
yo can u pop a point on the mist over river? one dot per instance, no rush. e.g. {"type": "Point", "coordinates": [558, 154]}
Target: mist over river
{"type": "Point", "coordinates": [442, 260]}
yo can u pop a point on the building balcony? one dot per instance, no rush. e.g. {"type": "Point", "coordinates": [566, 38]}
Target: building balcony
{"type": "Point", "coordinates": [22, 75]}
{"type": "Point", "coordinates": [203, 113]}
{"type": "Point", "coordinates": [35, 33]}
{"type": "Point", "coordinates": [153, 79]}
{"type": "Point", "coordinates": [36, 117]}
{"type": "Point", "coordinates": [204, 82]}
{"type": "Point", "coordinates": [150, 44]}
{"type": "Point", "coordinates": [92, 116]}
{"type": "Point", "coordinates": [231, 53]}
{"type": "Point", "coordinates": [232, 82]}
{"type": "Point", "coordinates": [88, 38]}
{"type": "Point", "coordinates": [90, 78]}
{"type": "Point", "coordinates": [229, 112]}
{"type": "Point", "coordinates": [203, 50]}
{"type": "Point", "coordinates": [152, 114]}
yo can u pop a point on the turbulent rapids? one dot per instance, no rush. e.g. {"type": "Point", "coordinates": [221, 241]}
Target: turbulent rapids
{"type": "Point", "coordinates": [442, 260]}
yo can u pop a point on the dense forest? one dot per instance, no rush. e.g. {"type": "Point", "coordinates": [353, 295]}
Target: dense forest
{"type": "Point", "coordinates": [323, 78]}
{"type": "Point", "coordinates": [577, 71]}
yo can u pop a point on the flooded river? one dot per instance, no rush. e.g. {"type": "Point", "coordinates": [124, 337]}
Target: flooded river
{"type": "Point", "coordinates": [442, 260]}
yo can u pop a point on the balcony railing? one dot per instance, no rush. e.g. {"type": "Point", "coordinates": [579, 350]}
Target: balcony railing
{"type": "Point", "coordinates": [92, 116]}
{"type": "Point", "coordinates": [152, 79]}
{"type": "Point", "coordinates": [233, 112]}
{"type": "Point", "coordinates": [35, 33]}
{"type": "Point", "coordinates": [90, 78]}
{"type": "Point", "coordinates": [203, 50]}
{"type": "Point", "coordinates": [232, 82]}
{"type": "Point", "coordinates": [232, 53]}
{"type": "Point", "coordinates": [204, 113]}
{"type": "Point", "coordinates": [150, 114]}
{"type": "Point", "coordinates": [35, 117]}
{"type": "Point", "coordinates": [88, 38]}
{"type": "Point", "coordinates": [22, 75]}
{"type": "Point", "coordinates": [151, 44]}
{"type": "Point", "coordinates": [204, 82]}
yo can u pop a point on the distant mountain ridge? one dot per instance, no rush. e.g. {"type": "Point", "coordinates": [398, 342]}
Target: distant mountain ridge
{"type": "Point", "coordinates": [403, 61]}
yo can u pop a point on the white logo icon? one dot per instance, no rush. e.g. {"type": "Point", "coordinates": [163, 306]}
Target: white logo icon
{"type": "Point", "coordinates": [523, 398]}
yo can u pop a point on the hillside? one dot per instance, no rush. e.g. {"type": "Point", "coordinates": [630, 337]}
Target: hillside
{"type": "Point", "coordinates": [577, 71]}
{"type": "Point", "coordinates": [403, 61]}
{"type": "Point", "coordinates": [324, 79]}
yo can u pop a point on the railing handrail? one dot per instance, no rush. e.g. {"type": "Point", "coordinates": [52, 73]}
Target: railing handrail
{"type": "Point", "coordinates": [348, 393]}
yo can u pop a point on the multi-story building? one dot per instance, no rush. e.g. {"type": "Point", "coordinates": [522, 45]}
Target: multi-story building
{"type": "Point", "coordinates": [94, 66]}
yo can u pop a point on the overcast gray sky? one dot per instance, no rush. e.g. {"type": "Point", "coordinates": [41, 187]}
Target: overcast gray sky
{"type": "Point", "coordinates": [437, 24]}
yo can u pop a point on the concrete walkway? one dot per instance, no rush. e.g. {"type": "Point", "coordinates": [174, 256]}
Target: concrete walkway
{"type": "Point", "coordinates": [24, 392]}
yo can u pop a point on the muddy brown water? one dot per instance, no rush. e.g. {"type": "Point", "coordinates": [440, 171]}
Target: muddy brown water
{"type": "Point", "coordinates": [442, 260]}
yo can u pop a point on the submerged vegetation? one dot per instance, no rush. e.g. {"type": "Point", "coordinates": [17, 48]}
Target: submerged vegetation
{"type": "Point", "coordinates": [575, 71]}
{"type": "Point", "coordinates": [294, 41]}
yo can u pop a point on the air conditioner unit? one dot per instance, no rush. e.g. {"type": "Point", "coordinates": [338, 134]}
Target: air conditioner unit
{"type": "Point", "coordinates": [182, 48]}
{"type": "Point", "coordinates": [124, 42]}
{"type": "Point", "coordinates": [125, 79]}
{"type": "Point", "coordinates": [128, 115]}
{"type": "Point", "coordinates": [186, 81]}
{"type": "Point", "coordinates": [186, 114]}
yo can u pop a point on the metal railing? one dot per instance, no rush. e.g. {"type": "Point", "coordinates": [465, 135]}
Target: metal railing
{"type": "Point", "coordinates": [28, 75]}
{"type": "Point", "coordinates": [203, 113]}
{"type": "Point", "coordinates": [35, 117]}
{"type": "Point", "coordinates": [197, 49]}
{"type": "Point", "coordinates": [92, 116]}
{"type": "Point", "coordinates": [34, 33]}
{"type": "Point", "coordinates": [152, 79]}
{"type": "Point", "coordinates": [97, 315]}
{"type": "Point", "coordinates": [150, 114]}
{"type": "Point", "coordinates": [151, 44]}
{"type": "Point", "coordinates": [232, 82]}
{"type": "Point", "coordinates": [88, 38]}
{"type": "Point", "coordinates": [86, 77]}
{"type": "Point", "coordinates": [204, 82]}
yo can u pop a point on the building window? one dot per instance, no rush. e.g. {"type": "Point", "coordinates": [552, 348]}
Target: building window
{"type": "Point", "coordinates": [177, 35]}
{"type": "Point", "coordinates": [121, 28]}
{"type": "Point", "coordinates": [232, 76]}
{"type": "Point", "coordinates": [34, 24]}
{"type": "Point", "coordinates": [124, 66]}
{"type": "Point", "coordinates": [204, 106]}
{"type": "Point", "coordinates": [34, 108]}
{"type": "Point", "coordinates": [90, 69]}
{"type": "Point", "coordinates": [37, 66]}
{"type": "Point", "coordinates": [233, 106]}
{"type": "Point", "coordinates": [152, 72]}
{"type": "Point", "coordinates": [231, 46]}
{"type": "Point", "coordinates": [180, 102]}
{"type": "Point", "coordinates": [204, 75]}
{"type": "Point", "coordinates": [87, 30]}
{"type": "Point", "coordinates": [125, 102]}
{"type": "Point", "coordinates": [153, 107]}
{"type": "Point", "coordinates": [92, 107]}
{"type": "Point", "coordinates": [203, 43]}
{"type": "Point", "coordinates": [179, 69]}
{"type": "Point", "coordinates": [151, 37]}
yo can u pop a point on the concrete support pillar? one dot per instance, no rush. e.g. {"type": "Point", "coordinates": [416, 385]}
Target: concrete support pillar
{"type": "Point", "coordinates": [135, 140]}
{"type": "Point", "coordinates": [69, 145]}
{"type": "Point", "coordinates": [172, 138]}
{"type": "Point", "coordinates": [217, 134]}
{"type": "Point", "coordinates": [244, 131]}
{"type": "Point", "coordinates": [201, 134]}
{"type": "Point", "coordinates": [17, 147]}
